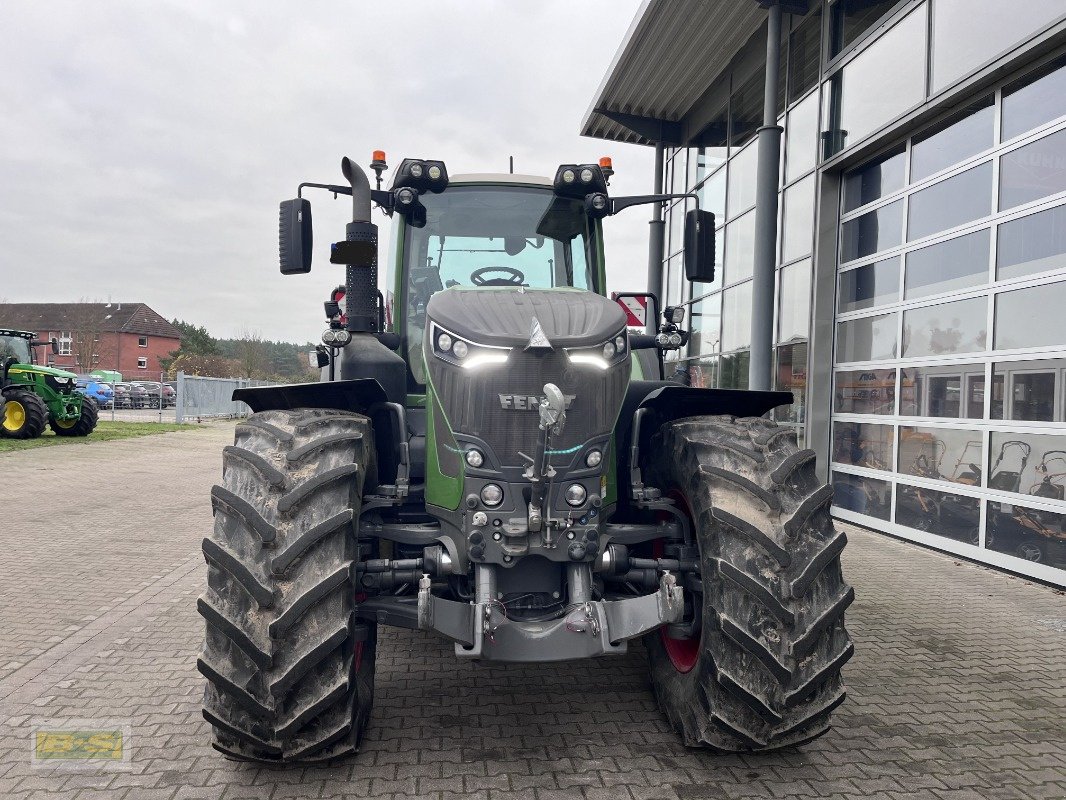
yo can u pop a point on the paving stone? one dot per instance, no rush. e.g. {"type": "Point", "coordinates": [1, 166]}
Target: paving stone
{"type": "Point", "coordinates": [957, 690]}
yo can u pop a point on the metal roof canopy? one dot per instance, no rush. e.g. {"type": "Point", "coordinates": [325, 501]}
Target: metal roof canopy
{"type": "Point", "coordinates": [672, 52]}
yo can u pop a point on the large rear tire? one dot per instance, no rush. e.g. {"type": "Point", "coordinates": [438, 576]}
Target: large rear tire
{"type": "Point", "coordinates": [25, 415]}
{"type": "Point", "coordinates": [762, 670]}
{"type": "Point", "coordinates": [290, 670]}
{"type": "Point", "coordinates": [83, 425]}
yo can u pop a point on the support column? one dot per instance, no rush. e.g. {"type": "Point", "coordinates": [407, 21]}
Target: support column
{"type": "Point", "coordinates": [656, 237]}
{"type": "Point", "coordinates": [760, 369]}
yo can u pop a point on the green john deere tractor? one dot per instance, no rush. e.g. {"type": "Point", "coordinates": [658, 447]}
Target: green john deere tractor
{"type": "Point", "coordinates": [493, 455]}
{"type": "Point", "coordinates": [35, 395]}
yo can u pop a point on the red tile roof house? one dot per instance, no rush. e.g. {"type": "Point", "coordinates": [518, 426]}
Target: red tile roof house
{"type": "Point", "coordinates": [127, 337]}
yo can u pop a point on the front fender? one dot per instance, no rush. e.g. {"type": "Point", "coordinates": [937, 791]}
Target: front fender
{"type": "Point", "coordinates": [354, 395]}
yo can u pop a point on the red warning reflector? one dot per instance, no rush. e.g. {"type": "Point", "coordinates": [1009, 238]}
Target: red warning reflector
{"type": "Point", "coordinates": [636, 309]}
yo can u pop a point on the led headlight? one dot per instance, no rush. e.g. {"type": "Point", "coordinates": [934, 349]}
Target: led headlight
{"type": "Point", "coordinates": [593, 458]}
{"type": "Point", "coordinates": [575, 495]}
{"type": "Point", "coordinates": [586, 175]}
{"type": "Point", "coordinates": [448, 346]}
{"type": "Point", "coordinates": [568, 176]}
{"type": "Point", "coordinates": [328, 335]}
{"type": "Point", "coordinates": [434, 172]}
{"type": "Point", "coordinates": [416, 170]}
{"type": "Point", "coordinates": [491, 495]}
{"type": "Point", "coordinates": [406, 196]}
{"type": "Point", "coordinates": [603, 356]}
{"type": "Point", "coordinates": [474, 458]}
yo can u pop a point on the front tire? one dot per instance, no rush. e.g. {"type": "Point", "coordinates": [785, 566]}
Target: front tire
{"type": "Point", "coordinates": [763, 670]}
{"type": "Point", "coordinates": [83, 425]}
{"type": "Point", "coordinates": [25, 415]}
{"type": "Point", "coordinates": [289, 668]}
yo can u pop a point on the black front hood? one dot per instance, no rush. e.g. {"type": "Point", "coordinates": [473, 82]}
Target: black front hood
{"type": "Point", "coordinates": [504, 317]}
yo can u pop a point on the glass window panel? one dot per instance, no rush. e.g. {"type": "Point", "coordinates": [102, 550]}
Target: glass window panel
{"type": "Point", "coordinates": [712, 195]}
{"type": "Point", "coordinates": [875, 180]}
{"type": "Point", "coordinates": [1032, 172]}
{"type": "Point", "coordinates": [703, 373]}
{"type": "Point", "coordinates": [742, 170]}
{"type": "Point", "coordinates": [1032, 244]}
{"type": "Point", "coordinates": [736, 317]}
{"type": "Point", "coordinates": [791, 376]}
{"type": "Point", "coordinates": [681, 169]}
{"type": "Point", "coordinates": [740, 248]}
{"type": "Point", "coordinates": [954, 141]}
{"type": "Point", "coordinates": [969, 33]}
{"type": "Point", "coordinates": [943, 454]}
{"type": "Point", "coordinates": [957, 327]}
{"type": "Point", "coordinates": [801, 143]}
{"type": "Point", "coordinates": [869, 285]}
{"type": "Point", "coordinates": [794, 301]}
{"type": "Point", "coordinates": [676, 225]}
{"type": "Point", "coordinates": [856, 107]}
{"type": "Point", "coordinates": [952, 202]}
{"type": "Point", "coordinates": [1025, 390]}
{"type": "Point", "coordinates": [867, 496]}
{"type": "Point", "coordinates": [943, 513]}
{"type": "Point", "coordinates": [865, 391]}
{"type": "Point", "coordinates": [746, 107]}
{"type": "Point", "coordinates": [1034, 100]}
{"type": "Point", "coordinates": [734, 370]}
{"type": "Point", "coordinates": [850, 19]}
{"type": "Point", "coordinates": [797, 230]}
{"type": "Point", "coordinates": [863, 444]}
{"type": "Point", "coordinates": [872, 232]}
{"type": "Point", "coordinates": [1028, 463]}
{"type": "Point", "coordinates": [867, 339]}
{"type": "Point", "coordinates": [948, 266]}
{"type": "Point", "coordinates": [706, 325]}
{"type": "Point", "coordinates": [805, 45]}
{"type": "Point", "coordinates": [1031, 317]}
{"type": "Point", "coordinates": [1025, 532]}
{"type": "Point", "coordinates": [937, 391]}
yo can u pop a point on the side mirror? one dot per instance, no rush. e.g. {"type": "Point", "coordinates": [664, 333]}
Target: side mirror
{"type": "Point", "coordinates": [55, 346]}
{"type": "Point", "coordinates": [294, 236]}
{"type": "Point", "coordinates": [699, 246]}
{"type": "Point", "coordinates": [53, 343]}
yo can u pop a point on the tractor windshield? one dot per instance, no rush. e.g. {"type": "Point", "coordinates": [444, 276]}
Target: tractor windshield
{"type": "Point", "coordinates": [492, 236]}
{"type": "Point", "coordinates": [17, 346]}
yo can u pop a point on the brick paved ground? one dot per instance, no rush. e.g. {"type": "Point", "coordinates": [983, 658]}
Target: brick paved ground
{"type": "Point", "coordinates": [958, 688]}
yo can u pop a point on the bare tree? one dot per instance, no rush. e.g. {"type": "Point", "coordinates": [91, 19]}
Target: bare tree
{"type": "Point", "coordinates": [86, 324]}
{"type": "Point", "coordinates": [253, 354]}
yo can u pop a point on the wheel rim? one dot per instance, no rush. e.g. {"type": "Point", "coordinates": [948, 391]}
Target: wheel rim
{"type": "Point", "coordinates": [1030, 552]}
{"type": "Point", "coordinates": [66, 424]}
{"type": "Point", "coordinates": [683, 653]}
{"type": "Point", "coordinates": [14, 415]}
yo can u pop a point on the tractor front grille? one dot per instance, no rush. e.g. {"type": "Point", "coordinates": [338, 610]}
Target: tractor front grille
{"type": "Point", "coordinates": [471, 400]}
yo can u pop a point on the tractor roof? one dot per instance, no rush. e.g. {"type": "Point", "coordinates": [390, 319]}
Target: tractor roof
{"type": "Point", "coordinates": [500, 177]}
{"type": "Point", "coordinates": [23, 334]}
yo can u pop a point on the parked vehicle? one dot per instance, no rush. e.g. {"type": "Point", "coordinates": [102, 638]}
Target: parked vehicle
{"type": "Point", "coordinates": [139, 396]}
{"type": "Point", "coordinates": [123, 396]}
{"type": "Point", "coordinates": [494, 466]}
{"type": "Point", "coordinates": [99, 391]}
{"type": "Point", "coordinates": [36, 396]}
{"type": "Point", "coordinates": [159, 394]}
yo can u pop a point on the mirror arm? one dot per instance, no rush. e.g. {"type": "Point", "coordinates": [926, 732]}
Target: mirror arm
{"type": "Point", "coordinates": [620, 203]}
{"type": "Point", "coordinates": [383, 198]}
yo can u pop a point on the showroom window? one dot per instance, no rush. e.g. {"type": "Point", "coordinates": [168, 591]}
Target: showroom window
{"type": "Point", "coordinates": [949, 395]}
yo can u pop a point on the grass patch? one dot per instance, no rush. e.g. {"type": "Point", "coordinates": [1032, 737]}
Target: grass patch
{"type": "Point", "coordinates": [105, 432]}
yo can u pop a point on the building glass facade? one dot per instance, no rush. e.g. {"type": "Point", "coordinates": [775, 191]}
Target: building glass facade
{"type": "Point", "coordinates": [942, 245]}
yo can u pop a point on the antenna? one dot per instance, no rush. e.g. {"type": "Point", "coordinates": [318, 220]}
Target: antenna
{"type": "Point", "coordinates": [511, 159]}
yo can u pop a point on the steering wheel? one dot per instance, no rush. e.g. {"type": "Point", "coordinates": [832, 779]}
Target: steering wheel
{"type": "Point", "coordinates": [510, 277]}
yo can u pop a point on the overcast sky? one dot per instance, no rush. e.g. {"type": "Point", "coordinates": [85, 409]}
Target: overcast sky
{"type": "Point", "coordinates": [144, 146]}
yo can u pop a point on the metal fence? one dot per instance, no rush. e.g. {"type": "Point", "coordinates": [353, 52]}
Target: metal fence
{"type": "Point", "coordinates": [199, 397]}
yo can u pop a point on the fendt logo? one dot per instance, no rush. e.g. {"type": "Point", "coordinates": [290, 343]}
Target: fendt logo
{"type": "Point", "coordinates": [528, 402]}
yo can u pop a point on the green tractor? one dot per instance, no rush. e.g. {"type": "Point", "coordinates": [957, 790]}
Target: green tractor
{"type": "Point", "coordinates": [494, 456]}
{"type": "Point", "coordinates": [36, 396]}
